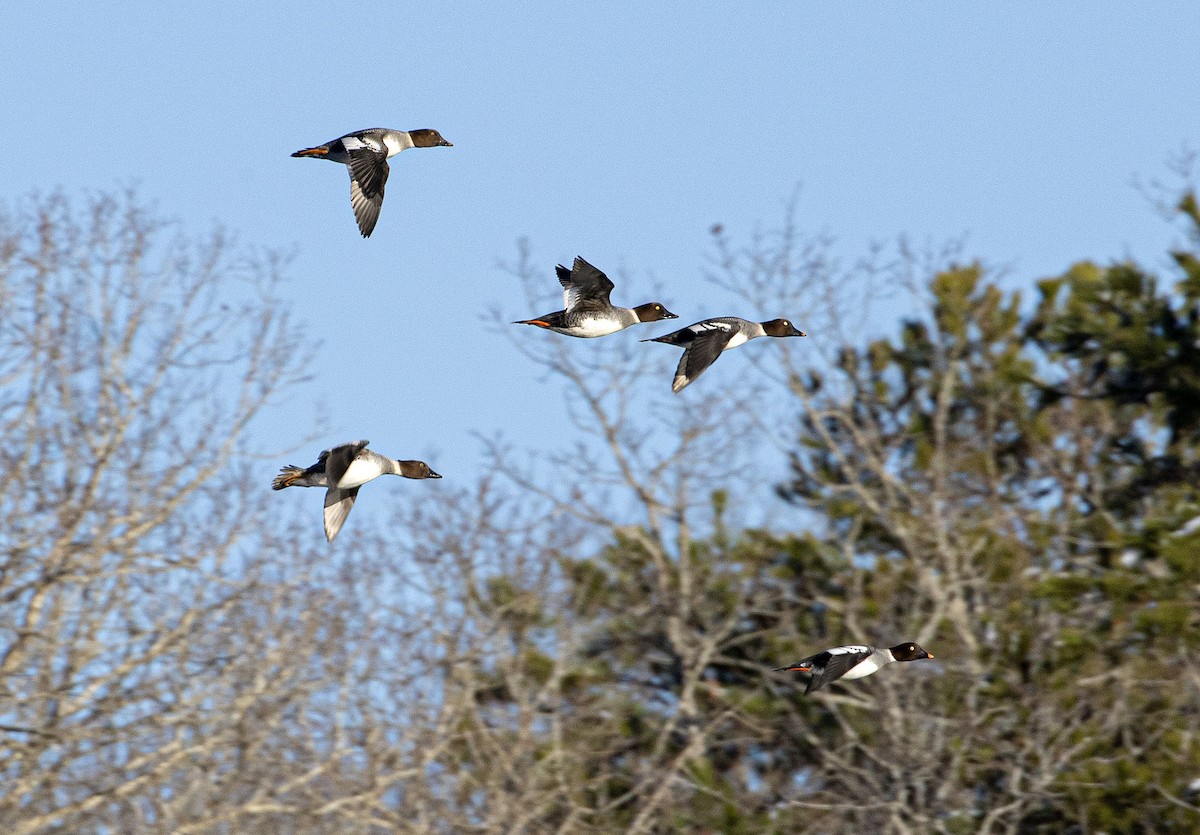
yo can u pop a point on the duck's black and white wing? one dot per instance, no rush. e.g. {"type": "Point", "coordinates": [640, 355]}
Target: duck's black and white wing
{"type": "Point", "coordinates": [338, 504]}
{"type": "Point", "coordinates": [709, 339]}
{"type": "Point", "coordinates": [584, 286]}
{"type": "Point", "coordinates": [368, 175]}
{"type": "Point", "coordinates": [832, 664]}
{"type": "Point", "coordinates": [337, 460]}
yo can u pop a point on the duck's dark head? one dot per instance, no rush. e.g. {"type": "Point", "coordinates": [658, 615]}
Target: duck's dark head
{"type": "Point", "coordinates": [427, 138]}
{"type": "Point", "coordinates": [416, 469]}
{"type": "Point", "coordinates": [909, 652]}
{"type": "Point", "coordinates": [781, 327]}
{"type": "Point", "coordinates": [653, 312]}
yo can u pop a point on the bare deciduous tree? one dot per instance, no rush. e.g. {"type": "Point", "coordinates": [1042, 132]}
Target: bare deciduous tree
{"type": "Point", "coordinates": [143, 654]}
{"type": "Point", "coordinates": [582, 640]}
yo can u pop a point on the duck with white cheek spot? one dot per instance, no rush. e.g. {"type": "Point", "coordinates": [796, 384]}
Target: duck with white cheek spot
{"type": "Point", "coordinates": [852, 662]}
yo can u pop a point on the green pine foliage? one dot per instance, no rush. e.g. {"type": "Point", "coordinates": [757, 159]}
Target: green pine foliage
{"type": "Point", "coordinates": [1015, 485]}
{"type": "Point", "coordinates": [1032, 474]}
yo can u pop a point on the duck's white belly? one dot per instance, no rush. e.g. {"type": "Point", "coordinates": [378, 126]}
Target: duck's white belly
{"type": "Point", "coordinates": [590, 328]}
{"type": "Point", "coordinates": [360, 471]}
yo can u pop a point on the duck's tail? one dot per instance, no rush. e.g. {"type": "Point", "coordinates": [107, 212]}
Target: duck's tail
{"type": "Point", "coordinates": [668, 339]}
{"type": "Point", "coordinates": [288, 476]}
{"type": "Point", "coordinates": [318, 151]}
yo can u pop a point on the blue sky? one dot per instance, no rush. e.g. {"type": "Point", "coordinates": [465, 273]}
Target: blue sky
{"type": "Point", "coordinates": [616, 131]}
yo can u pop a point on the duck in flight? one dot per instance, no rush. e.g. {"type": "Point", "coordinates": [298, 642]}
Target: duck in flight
{"type": "Point", "coordinates": [704, 341]}
{"type": "Point", "coordinates": [852, 662]}
{"type": "Point", "coordinates": [342, 470]}
{"type": "Point", "coordinates": [588, 312]}
{"type": "Point", "coordinates": [365, 153]}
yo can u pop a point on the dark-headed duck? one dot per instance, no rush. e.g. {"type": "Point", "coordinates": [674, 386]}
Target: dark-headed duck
{"type": "Point", "coordinates": [704, 341]}
{"type": "Point", "coordinates": [852, 662]}
{"type": "Point", "coordinates": [588, 312]}
{"type": "Point", "coordinates": [365, 153]}
{"type": "Point", "coordinates": [342, 470]}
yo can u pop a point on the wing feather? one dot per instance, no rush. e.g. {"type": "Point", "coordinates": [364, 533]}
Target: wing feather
{"type": "Point", "coordinates": [338, 504]}
{"type": "Point", "coordinates": [700, 353]}
{"type": "Point", "coordinates": [368, 175]}
{"type": "Point", "coordinates": [584, 286]}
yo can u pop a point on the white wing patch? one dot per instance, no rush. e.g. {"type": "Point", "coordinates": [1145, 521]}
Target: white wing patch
{"type": "Point", "coordinates": [355, 143]}
{"type": "Point", "coordinates": [701, 327]}
{"type": "Point", "coordinates": [856, 648]}
{"type": "Point", "coordinates": [571, 296]}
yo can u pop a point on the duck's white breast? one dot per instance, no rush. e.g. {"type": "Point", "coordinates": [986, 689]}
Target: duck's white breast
{"type": "Point", "coordinates": [863, 668]}
{"type": "Point", "coordinates": [737, 339]}
{"type": "Point", "coordinates": [360, 471]}
{"type": "Point", "coordinates": [395, 143]}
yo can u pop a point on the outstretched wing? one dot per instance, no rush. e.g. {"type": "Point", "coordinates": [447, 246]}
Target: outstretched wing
{"type": "Point", "coordinates": [709, 340]}
{"type": "Point", "coordinates": [584, 286]}
{"type": "Point", "coordinates": [368, 174]}
{"type": "Point", "coordinates": [338, 503]}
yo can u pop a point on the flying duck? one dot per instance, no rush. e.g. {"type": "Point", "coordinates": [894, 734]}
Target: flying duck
{"type": "Point", "coordinates": [704, 341]}
{"type": "Point", "coordinates": [343, 469]}
{"type": "Point", "coordinates": [851, 662]}
{"type": "Point", "coordinates": [365, 153]}
{"type": "Point", "coordinates": [588, 312]}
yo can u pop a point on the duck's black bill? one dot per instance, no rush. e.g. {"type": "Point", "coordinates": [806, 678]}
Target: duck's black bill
{"type": "Point", "coordinates": [432, 474]}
